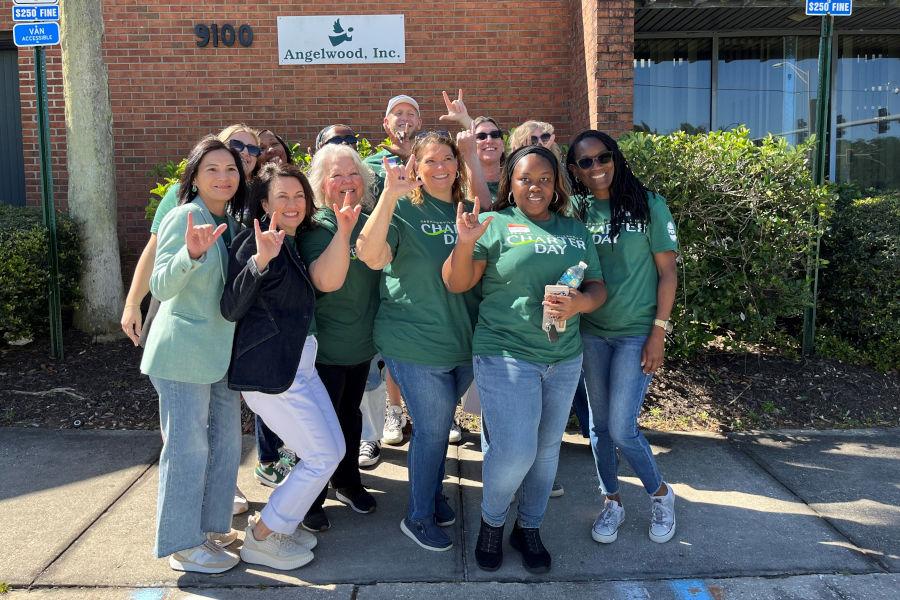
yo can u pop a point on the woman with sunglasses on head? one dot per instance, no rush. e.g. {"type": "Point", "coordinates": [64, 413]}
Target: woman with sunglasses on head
{"type": "Point", "coordinates": [270, 294]}
{"type": "Point", "coordinates": [187, 355]}
{"type": "Point", "coordinates": [525, 376]}
{"type": "Point", "coordinates": [624, 341]}
{"type": "Point", "coordinates": [423, 332]}
{"type": "Point", "coordinates": [344, 316]}
{"type": "Point", "coordinates": [538, 133]}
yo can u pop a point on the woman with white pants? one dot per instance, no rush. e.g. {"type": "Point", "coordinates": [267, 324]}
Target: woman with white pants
{"type": "Point", "coordinates": [270, 294]}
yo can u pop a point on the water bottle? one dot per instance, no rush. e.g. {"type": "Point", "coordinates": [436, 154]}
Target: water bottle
{"type": "Point", "coordinates": [570, 280]}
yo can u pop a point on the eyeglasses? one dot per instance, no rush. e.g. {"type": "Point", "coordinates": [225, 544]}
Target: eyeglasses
{"type": "Point", "coordinates": [240, 146]}
{"type": "Point", "coordinates": [483, 135]}
{"type": "Point", "coordinates": [349, 140]}
{"type": "Point", "coordinates": [438, 132]}
{"type": "Point", "coordinates": [544, 138]}
{"type": "Point", "coordinates": [604, 158]}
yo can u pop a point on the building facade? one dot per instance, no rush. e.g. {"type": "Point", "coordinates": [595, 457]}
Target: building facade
{"type": "Point", "coordinates": [617, 65]}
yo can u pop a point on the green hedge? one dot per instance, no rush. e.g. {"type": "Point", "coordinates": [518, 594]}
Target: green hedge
{"type": "Point", "coordinates": [25, 272]}
{"type": "Point", "coordinates": [742, 208]}
{"type": "Point", "coordinates": [859, 290]}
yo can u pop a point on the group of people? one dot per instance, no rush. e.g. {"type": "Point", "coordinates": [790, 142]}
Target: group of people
{"type": "Point", "coordinates": [431, 257]}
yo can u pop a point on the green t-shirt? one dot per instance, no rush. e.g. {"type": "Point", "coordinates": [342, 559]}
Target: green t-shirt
{"type": "Point", "coordinates": [419, 320]}
{"type": "Point", "coordinates": [168, 202]}
{"type": "Point", "coordinates": [628, 267]}
{"type": "Point", "coordinates": [226, 235]}
{"type": "Point", "coordinates": [522, 257]}
{"type": "Point", "coordinates": [344, 318]}
{"type": "Point", "coordinates": [493, 186]}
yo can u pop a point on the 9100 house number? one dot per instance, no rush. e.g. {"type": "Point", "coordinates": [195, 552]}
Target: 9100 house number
{"type": "Point", "coordinates": [227, 35]}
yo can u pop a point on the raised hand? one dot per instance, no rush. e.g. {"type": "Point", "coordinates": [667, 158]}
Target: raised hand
{"type": "Point", "coordinates": [346, 215]}
{"type": "Point", "coordinates": [199, 238]}
{"type": "Point", "coordinates": [268, 243]}
{"type": "Point", "coordinates": [468, 229]}
{"type": "Point", "coordinates": [456, 111]}
{"type": "Point", "coordinates": [465, 141]}
{"type": "Point", "coordinates": [399, 180]}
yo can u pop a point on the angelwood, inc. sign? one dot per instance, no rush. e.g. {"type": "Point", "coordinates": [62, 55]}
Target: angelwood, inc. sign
{"type": "Point", "coordinates": [343, 39]}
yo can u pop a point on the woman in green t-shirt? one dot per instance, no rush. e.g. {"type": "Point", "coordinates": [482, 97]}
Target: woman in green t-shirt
{"type": "Point", "coordinates": [423, 331]}
{"type": "Point", "coordinates": [526, 379]}
{"type": "Point", "coordinates": [624, 341]}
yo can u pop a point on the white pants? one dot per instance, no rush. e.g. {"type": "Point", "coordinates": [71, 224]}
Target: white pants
{"type": "Point", "coordinates": [372, 405]}
{"type": "Point", "coordinates": [304, 419]}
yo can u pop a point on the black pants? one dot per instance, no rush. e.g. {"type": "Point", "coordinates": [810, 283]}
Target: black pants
{"type": "Point", "coordinates": [345, 385]}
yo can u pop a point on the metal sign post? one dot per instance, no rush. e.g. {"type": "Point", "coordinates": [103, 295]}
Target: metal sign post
{"type": "Point", "coordinates": [827, 9]}
{"type": "Point", "coordinates": [40, 34]}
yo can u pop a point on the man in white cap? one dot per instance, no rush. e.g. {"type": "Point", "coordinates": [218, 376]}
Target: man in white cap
{"type": "Point", "coordinates": [401, 123]}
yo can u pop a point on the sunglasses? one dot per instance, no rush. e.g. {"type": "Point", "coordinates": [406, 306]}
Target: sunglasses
{"type": "Point", "coordinates": [349, 140]}
{"type": "Point", "coordinates": [439, 132]}
{"type": "Point", "coordinates": [544, 138]}
{"type": "Point", "coordinates": [604, 158]}
{"type": "Point", "coordinates": [240, 146]}
{"type": "Point", "coordinates": [483, 135]}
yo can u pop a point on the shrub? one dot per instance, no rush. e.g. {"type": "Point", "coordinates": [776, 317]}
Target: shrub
{"type": "Point", "coordinates": [743, 213]}
{"type": "Point", "coordinates": [25, 270]}
{"type": "Point", "coordinates": [859, 288]}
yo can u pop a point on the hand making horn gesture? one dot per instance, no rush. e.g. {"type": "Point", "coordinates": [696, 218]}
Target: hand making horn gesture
{"type": "Point", "coordinates": [465, 141]}
{"type": "Point", "coordinates": [268, 242]}
{"type": "Point", "coordinates": [399, 180]}
{"type": "Point", "coordinates": [347, 215]}
{"type": "Point", "coordinates": [456, 111]}
{"type": "Point", "coordinates": [199, 238]}
{"type": "Point", "coordinates": [468, 229]}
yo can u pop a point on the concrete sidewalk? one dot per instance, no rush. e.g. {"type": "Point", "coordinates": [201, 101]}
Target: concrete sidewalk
{"type": "Point", "coordinates": [777, 514]}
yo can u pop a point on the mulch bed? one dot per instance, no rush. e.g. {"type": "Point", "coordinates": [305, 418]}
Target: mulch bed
{"type": "Point", "coordinates": [99, 386]}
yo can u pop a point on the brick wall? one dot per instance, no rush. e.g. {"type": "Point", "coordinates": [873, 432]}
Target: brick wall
{"type": "Point", "coordinates": [514, 60]}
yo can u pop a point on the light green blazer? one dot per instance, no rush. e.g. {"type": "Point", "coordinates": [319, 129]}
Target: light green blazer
{"type": "Point", "coordinates": [189, 339]}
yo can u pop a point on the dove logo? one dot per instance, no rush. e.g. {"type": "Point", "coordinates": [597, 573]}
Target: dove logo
{"type": "Point", "coordinates": [340, 36]}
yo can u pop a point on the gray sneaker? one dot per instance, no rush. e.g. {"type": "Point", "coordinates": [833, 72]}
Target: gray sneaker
{"type": "Point", "coordinates": [606, 527]}
{"type": "Point", "coordinates": [662, 517]}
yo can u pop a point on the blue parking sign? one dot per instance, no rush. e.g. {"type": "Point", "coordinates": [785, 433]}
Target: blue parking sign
{"type": "Point", "coordinates": [36, 34]}
{"type": "Point", "coordinates": [838, 8]}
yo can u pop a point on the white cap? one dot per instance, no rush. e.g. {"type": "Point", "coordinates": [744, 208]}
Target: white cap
{"type": "Point", "coordinates": [401, 99]}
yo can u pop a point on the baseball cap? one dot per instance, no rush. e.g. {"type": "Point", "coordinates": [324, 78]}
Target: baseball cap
{"type": "Point", "coordinates": [401, 99]}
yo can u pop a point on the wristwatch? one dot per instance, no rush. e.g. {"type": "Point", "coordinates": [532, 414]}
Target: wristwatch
{"type": "Point", "coordinates": [667, 326]}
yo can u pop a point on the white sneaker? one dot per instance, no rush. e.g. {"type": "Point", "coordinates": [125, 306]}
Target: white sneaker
{"type": "Point", "coordinates": [208, 557]}
{"type": "Point", "coordinates": [369, 454]}
{"type": "Point", "coordinates": [300, 535]}
{"type": "Point", "coordinates": [394, 422]}
{"type": "Point", "coordinates": [223, 539]}
{"type": "Point", "coordinates": [455, 435]}
{"type": "Point", "coordinates": [240, 502]}
{"type": "Point", "coordinates": [606, 527]}
{"type": "Point", "coordinates": [278, 551]}
{"type": "Point", "coordinates": [662, 517]}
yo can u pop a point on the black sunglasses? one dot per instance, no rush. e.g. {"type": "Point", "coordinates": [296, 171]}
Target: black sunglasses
{"type": "Point", "coordinates": [240, 146]}
{"type": "Point", "coordinates": [544, 137]}
{"type": "Point", "coordinates": [349, 140]}
{"type": "Point", "coordinates": [483, 135]}
{"type": "Point", "coordinates": [604, 158]}
{"type": "Point", "coordinates": [440, 132]}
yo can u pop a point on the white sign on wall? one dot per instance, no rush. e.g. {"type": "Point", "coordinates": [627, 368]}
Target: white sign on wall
{"type": "Point", "coordinates": [344, 39]}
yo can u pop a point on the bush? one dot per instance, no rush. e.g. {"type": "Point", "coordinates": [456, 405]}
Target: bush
{"type": "Point", "coordinates": [859, 288]}
{"type": "Point", "coordinates": [743, 214]}
{"type": "Point", "coordinates": [25, 270]}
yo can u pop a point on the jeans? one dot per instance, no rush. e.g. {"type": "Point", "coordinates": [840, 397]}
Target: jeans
{"type": "Point", "coordinates": [580, 408]}
{"type": "Point", "coordinates": [616, 386]}
{"type": "Point", "coordinates": [198, 465]}
{"type": "Point", "coordinates": [524, 409]}
{"type": "Point", "coordinates": [372, 405]}
{"type": "Point", "coordinates": [345, 385]}
{"type": "Point", "coordinates": [303, 416]}
{"type": "Point", "coordinates": [267, 442]}
{"type": "Point", "coordinates": [431, 394]}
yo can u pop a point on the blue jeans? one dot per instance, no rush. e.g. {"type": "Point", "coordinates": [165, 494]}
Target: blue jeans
{"type": "Point", "coordinates": [616, 386]}
{"type": "Point", "coordinates": [201, 429]}
{"type": "Point", "coordinates": [431, 394]}
{"type": "Point", "coordinates": [580, 407]}
{"type": "Point", "coordinates": [524, 410]}
{"type": "Point", "coordinates": [267, 442]}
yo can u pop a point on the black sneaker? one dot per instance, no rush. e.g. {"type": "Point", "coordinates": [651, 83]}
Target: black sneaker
{"type": "Point", "coordinates": [489, 547]}
{"type": "Point", "coordinates": [443, 513]}
{"type": "Point", "coordinates": [527, 540]}
{"type": "Point", "coordinates": [358, 499]}
{"type": "Point", "coordinates": [316, 520]}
